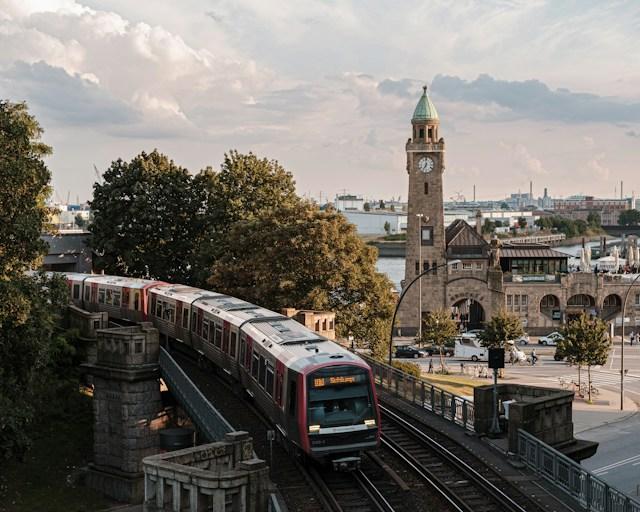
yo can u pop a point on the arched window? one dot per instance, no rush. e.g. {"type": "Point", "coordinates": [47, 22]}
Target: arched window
{"type": "Point", "coordinates": [549, 302]}
{"type": "Point", "coordinates": [581, 300]}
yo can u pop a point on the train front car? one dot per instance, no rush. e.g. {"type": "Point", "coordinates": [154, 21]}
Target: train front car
{"type": "Point", "coordinates": [342, 416]}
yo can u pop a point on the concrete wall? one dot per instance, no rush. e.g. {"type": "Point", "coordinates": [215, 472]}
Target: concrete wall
{"type": "Point", "coordinates": [68, 252]}
{"type": "Point", "coordinates": [372, 223]}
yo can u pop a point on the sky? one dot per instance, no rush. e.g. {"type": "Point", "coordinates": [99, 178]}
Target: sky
{"type": "Point", "coordinates": [530, 90]}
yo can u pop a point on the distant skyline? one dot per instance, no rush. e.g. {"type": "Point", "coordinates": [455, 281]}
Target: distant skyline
{"type": "Point", "coordinates": [526, 90]}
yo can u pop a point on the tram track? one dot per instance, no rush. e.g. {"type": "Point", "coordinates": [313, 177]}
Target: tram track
{"type": "Point", "coordinates": [466, 484]}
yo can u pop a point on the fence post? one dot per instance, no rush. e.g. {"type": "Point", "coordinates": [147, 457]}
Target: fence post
{"type": "Point", "coordinates": [433, 399]}
{"type": "Point", "coordinates": [422, 397]}
{"type": "Point", "coordinates": [587, 490]}
{"type": "Point", "coordinates": [464, 413]}
{"type": "Point", "coordinates": [453, 408]}
{"type": "Point", "coordinates": [443, 404]}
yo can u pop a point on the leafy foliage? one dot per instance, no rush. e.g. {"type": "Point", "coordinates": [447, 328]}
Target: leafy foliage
{"type": "Point", "coordinates": [629, 218]}
{"type": "Point", "coordinates": [585, 343]}
{"type": "Point", "coordinates": [25, 187]}
{"type": "Point", "coordinates": [502, 326]}
{"type": "Point", "coordinates": [307, 258]}
{"type": "Point", "coordinates": [439, 329]}
{"type": "Point", "coordinates": [147, 219]}
{"type": "Point", "coordinates": [410, 368]}
{"type": "Point", "coordinates": [569, 227]}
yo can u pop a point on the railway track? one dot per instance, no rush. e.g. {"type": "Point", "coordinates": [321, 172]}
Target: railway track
{"type": "Point", "coordinates": [466, 484]}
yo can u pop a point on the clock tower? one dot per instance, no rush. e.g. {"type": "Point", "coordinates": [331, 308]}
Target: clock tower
{"type": "Point", "coordinates": [425, 246]}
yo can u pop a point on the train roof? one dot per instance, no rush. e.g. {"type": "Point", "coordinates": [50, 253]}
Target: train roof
{"type": "Point", "coordinates": [126, 282]}
{"type": "Point", "coordinates": [183, 292]}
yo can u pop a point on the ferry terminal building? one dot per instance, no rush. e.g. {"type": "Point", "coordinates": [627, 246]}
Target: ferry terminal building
{"type": "Point", "coordinates": [530, 280]}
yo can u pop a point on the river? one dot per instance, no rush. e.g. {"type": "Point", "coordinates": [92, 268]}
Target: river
{"type": "Point", "coordinates": [394, 267]}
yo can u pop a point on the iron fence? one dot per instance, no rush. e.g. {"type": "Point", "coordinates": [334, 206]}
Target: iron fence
{"type": "Point", "coordinates": [587, 489]}
{"type": "Point", "coordinates": [206, 417]}
{"type": "Point", "coordinates": [452, 407]}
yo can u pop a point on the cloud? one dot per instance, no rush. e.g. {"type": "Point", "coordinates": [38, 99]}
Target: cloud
{"type": "Point", "coordinates": [632, 133]}
{"type": "Point", "coordinates": [71, 99]}
{"type": "Point", "coordinates": [523, 161]}
{"type": "Point", "coordinates": [596, 167]}
{"type": "Point", "coordinates": [532, 99]}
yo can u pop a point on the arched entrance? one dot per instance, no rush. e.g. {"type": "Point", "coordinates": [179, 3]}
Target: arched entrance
{"type": "Point", "coordinates": [469, 314]}
{"type": "Point", "coordinates": [580, 303]}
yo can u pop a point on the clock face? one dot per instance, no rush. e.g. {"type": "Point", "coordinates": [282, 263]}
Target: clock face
{"type": "Point", "coordinates": [425, 164]}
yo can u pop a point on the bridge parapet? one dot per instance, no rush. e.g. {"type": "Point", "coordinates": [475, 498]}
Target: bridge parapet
{"type": "Point", "coordinates": [218, 476]}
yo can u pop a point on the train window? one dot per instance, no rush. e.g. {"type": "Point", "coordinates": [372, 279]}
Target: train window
{"type": "Point", "coordinates": [232, 346]}
{"type": "Point", "coordinates": [109, 299]}
{"type": "Point", "coordinates": [193, 321]}
{"type": "Point", "coordinates": [254, 366]}
{"type": "Point", "coordinates": [292, 397]}
{"type": "Point", "coordinates": [205, 329]}
{"type": "Point", "coordinates": [269, 385]}
{"type": "Point", "coordinates": [76, 291]}
{"type": "Point", "coordinates": [212, 329]}
{"type": "Point", "coordinates": [185, 318]}
{"type": "Point", "coordinates": [116, 298]}
{"type": "Point", "coordinates": [225, 340]}
{"type": "Point", "coordinates": [159, 309]}
{"type": "Point", "coordinates": [101, 296]}
{"type": "Point", "coordinates": [243, 344]}
{"type": "Point", "coordinates": [218, 337]}
{"type": "Point", "coordinates": [136, 301]}
{"type": "Point", "coordinates": [279, 388]}
{"type": "Point", "coordinates": [87, 291]}
{"type": "Point", "coordinates": [169, 312]}
{"type": "Point", "coordinates": [261, 375]}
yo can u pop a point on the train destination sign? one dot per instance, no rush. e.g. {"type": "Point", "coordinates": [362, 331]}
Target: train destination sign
{"type": "Point", "coordinates": [338, 380]}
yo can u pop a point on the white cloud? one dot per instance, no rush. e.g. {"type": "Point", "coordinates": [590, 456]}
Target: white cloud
{"type": "Point", "coordinates": [597, 169]}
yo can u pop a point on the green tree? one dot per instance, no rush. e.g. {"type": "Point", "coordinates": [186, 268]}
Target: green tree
{"type": "Point", "coordinates": [629, 218]}
{"type": "Point", "coordinates": [80, 222]}
{"type": "Point", "coordinates": [387, 228]}
{"type": "Point", "coordinates": [488, 226]}
{"type": "Point", "coordinates": [30, 304]}
{"type": "Point", "coordinates": [522, 222]}
{"type": "Point", "coordinates": [594, 220]}
{"type": "Point", "coordinates": [381, 205]}
{"type": "Point", "coordinates": [586, 343]}
{"type": "Point", "coordinates": [303, 257]}
{"type": "Point", "coordinates": [439, 329]}
{"type": "Point", "coordinates": [502, 327]}
{"type": "Point", "coordinates": [366, 207]}
{"type": "Point", "coordinates": [147, 219]}
{"type": "Point", "coordinates": [25, 188]}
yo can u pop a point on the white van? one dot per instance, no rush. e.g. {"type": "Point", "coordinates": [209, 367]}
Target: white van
{"type": "Point", "coordinates": [470, 348]}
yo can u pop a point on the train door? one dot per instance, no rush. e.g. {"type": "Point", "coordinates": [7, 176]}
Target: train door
{"type": "Point", "coordinates": [279, 379]}
{"type": "Point", "coordinates": [94, 293]}
{"type": "Point", "coordinates": [125, 305]}
{"type": "Point", "coordinates": [247, 356]}
{"type": "Point", "coordinates": [179, 319]}
{"type": "Point", "coordinates": [225, 337]}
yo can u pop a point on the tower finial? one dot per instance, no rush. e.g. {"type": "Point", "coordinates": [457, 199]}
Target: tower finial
{"type": "Point", "coordinates": [424, 88]}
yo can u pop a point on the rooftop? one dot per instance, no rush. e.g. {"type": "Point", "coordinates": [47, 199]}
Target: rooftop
{"type": "Point", "coordinates": [425, 109]}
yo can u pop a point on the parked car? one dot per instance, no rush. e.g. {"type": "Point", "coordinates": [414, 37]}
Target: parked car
{"type": "Point", "coordinates": [473, 333]}
{"type": "Point", "coordinates": [434, 350]}
{"type": "Point", "coordinates": [410, 351]}
{"type": "Point", "coordinates": [522, 340]}
{"type": "Point", "coordinates": [550, 339]}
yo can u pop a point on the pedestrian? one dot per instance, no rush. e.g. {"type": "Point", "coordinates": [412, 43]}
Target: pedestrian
{"type": "Point", "coordinates": [430, 370]}
{"type": "Point", "coordinates": [632, 338]}
{"type": "Point", "coordinates": [534, 357]}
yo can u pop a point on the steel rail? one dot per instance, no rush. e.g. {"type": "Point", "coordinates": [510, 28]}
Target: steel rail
{"type": "Point", "coordinates": [497, 494]}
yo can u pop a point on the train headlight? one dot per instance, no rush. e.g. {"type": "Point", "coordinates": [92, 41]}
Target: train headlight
{"type": "Point", "coordinates": [370, 423]}
{"type": "Point", "coordinates": [314, 428]}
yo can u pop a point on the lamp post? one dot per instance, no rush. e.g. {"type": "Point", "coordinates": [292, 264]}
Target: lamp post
{"type": "Point", "coordinates": [420, 269]}
{"type": "Point", "coordinates": [624, 312]}
{"type": "Point", "coordinates": [402, 295]}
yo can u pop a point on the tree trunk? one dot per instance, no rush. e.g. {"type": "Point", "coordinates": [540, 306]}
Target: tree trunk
{"type": "Point", "coordinates": [441, 360]}
{"type": "Point", "coordinates": [579, 366]}
{"type": "Point", "coordinates": [589, 381]}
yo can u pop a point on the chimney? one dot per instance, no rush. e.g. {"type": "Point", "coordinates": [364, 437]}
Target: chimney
{"type": "Point", "coordinates": [621, 189]}
{"type": "Point", "coordinates": [479, 222]}
{"type": "Point", "coordinates": [531, 190]}
{"type": "Point", "coordinates": [474, 193]}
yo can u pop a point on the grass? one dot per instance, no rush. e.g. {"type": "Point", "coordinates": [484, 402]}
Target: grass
{"type": "Point", "coordinates": [46, 479]}
{"type": "Point", "coordinates": [456, 384]}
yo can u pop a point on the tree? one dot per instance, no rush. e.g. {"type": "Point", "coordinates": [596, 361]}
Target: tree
{"type": "Point", "coordinates": [80, 222]}
{"type": "Point", "coordinates": [311, 259]}
{"type": "Point", "coordinates": [387, 228]}
{"type": "Point", "coordinates": [629, 218]}
{"type": "Point", "coordinates": [381, 206]}
{"type": "Point", "coordinates": [522, 222]}
{"type": "Point", "coordinates": [504, 206]}
{"type": "Point", "coordinates": [366, 207]}
{"type": "Point", "coordinates": [30, 304]}
{"type": "Point", "coordinates": [488, 226]}
{"type": "Point", "coordinates": [594, 220]}
{"type": "Point", "coordinates": [25, 187]}
{"type": "Point", "coordinates": [439, 329]}
{"type": "Point", "coordinates": [147, 219]}
{"type": "Point", "coordinates": [586, 343]}
{"type": "Point", "coordinates": [502, 327]}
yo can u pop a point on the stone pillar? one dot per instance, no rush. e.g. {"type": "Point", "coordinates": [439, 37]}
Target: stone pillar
{"type": "Point", "coordinates": [127, 407]}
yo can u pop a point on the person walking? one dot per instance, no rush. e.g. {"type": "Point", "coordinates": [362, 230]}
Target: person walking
{"type": "Point", "coordinates": [534, 357]}
{"type": "Point", "coordinates": [430, 370]}
{"type": "Point", "coordinates": [632, 338]}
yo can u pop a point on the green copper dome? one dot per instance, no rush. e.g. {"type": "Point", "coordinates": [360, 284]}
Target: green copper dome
{"type": "Point", "coordinates": [424, 109]}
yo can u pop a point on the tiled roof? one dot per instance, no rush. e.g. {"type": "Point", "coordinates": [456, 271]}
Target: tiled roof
{"type": "Point", "coordinates": [530, 252]}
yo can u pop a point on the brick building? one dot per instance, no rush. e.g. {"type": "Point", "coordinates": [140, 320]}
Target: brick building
{"type": "Point", "coordinates": [474, 278]}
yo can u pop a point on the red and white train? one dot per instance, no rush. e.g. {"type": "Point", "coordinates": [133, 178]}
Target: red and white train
{"type": "Point", "coordinates": [319, 396]}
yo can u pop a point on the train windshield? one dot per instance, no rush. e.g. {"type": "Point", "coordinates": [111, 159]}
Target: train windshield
{"type": "Point", "coordinates": [338, 396]}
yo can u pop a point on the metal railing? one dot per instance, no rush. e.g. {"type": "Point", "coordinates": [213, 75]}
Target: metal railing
{"type": "Point", "coordinates": [206, 417]}
{"type": "Point", "coordinates": [587, 489]}
{"type": "Point", "coordinates": [454, 408]}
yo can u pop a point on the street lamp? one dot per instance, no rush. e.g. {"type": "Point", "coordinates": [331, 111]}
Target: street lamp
{"type": "Point", "coordinates": [404, 292]}
{"type": "Point", "coordinates": [420, 216]}
{"type": "Point", "coordinates": [624, 312]}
